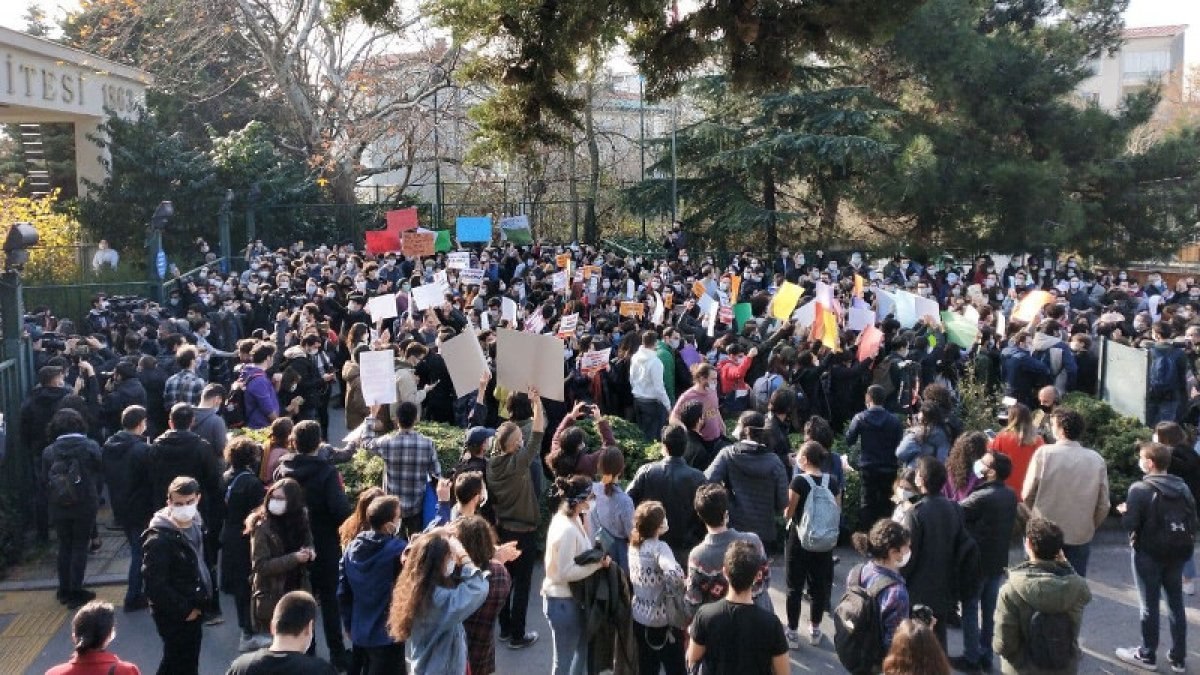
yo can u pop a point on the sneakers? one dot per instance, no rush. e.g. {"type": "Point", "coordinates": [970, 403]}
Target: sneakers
{"type": "Point", "coordinates": [793, 638]}
{"type": "Point", "coordinates": [1178, 667]}
{"type": "Point", "coordinates": [250, 643]}
{"type": "Point", "coordinates": [814, 635]}
{"type": "Point", "coordinates": [523, 642]}
{"type": "Point", "coordinates": [1136, 657]}
{"type": "Point", "coordinates": [504, 637]}
{"type": "Point", "coordinates": [1189, 586]}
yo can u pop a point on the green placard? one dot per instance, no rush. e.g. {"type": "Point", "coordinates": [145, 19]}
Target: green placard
{"type": "Point", "coordinates": [742, 312]}
{"type": "Point", "coordinates": [443, 241]}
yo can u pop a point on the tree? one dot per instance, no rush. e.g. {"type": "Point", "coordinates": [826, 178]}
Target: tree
{"type": "Point", "coordinates": [995, 151]}
{"type": "Point", "coordinates": [531, 51]}
{"type": "Point", "coordinates": [54, 259]}
{"type": "Point", "coordinates": [754, 163]}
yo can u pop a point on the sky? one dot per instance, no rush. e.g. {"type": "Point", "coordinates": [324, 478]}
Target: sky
{"type": "Point", "coordinates": [1140, 13]}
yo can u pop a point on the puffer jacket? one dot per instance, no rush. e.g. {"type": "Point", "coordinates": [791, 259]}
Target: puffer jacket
{"type": "Point", "coordinates": [371, 562]}
{"type": "Point", "coordinates": [757, 483]}
{"type": "Point", "coordinates": [1036, 586]}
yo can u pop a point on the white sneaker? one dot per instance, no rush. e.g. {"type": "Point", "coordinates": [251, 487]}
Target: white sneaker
{"type": "Point", "coordinates": [1189, 586]}
{"type": "Point", "coordinates": [248, 643]}
{"type": "Point", "coordinates": [814, 635]}
{"type": "Point", "coordinates": [793, 638]}
{"type": "Point", "coordinates": [1133, 656]}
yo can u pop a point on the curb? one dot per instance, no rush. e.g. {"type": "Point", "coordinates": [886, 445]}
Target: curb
{"type": "Point", "coordinates": [52, 584]}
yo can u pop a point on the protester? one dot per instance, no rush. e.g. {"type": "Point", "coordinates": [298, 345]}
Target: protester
{"type": "Point", "coordinates": [371, 564]}
{"type": "Point", "coordinates": [74, 472]}
{"type": "Point", "coordinates": [409, 461]}
{"type": "Point", "coordinates": [243, 492]}
{"type": "Point", "coordinates": [653, 573]}
{"type": "Point", "coordinates": [705, 579]}
{"type": "Point", "coordinates": [811, 569]}
{"type": "Point", "coordinates": [280, 548]}
{"type": "Point", "coordinates": [1019, 441]}
{"type": "Point", "coordinates": [879, 433]}
{"type": "Point", "coordinates": [132, 504]}
{"type": "Point", "coordinates": [293, 627]}
{"type": "Point", "coordinates": [478, 538]}
{"type": "Point", "coordinates": [93, 629]}
{"type": "Point", "coordinates": [915, 651]}
{"type": "Point", "coordinates": [613, 511]}
{"type": "Point", "coordinates": [753, 473]}
{"type": "Point", "coordinates": [671, 482]}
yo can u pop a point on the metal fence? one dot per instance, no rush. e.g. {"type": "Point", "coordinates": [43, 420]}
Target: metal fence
{"type": "Point", "coordinates": [15, 378]}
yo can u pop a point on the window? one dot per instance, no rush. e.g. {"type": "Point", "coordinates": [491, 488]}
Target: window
{"type": "Point", "coordinates": [1144, 65]}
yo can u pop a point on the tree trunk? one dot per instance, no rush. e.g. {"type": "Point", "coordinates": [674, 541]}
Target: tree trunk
{"type": "Point", "coordinates": [769, 204]}
{"type": "Point", "coordinates": [831, 198]}
{"type": "Point", "coordinates": [590, 228]}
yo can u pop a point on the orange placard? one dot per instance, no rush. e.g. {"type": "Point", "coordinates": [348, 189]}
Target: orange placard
{"type": "Point", "coordinates": [417, 244]}
{"type": "Point", "coordinates": [698, 289]}
{"type": "Point", "coordinates": [589, 270]}
{"type": "Point", "coordinates": [632, 309]}
{"type": "Point", "coordinates": [562, 260]}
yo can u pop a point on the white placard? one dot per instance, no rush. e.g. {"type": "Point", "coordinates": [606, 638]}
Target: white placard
{"type": "Point", "coordinates": [558, 281]}
{"type": "Point", "coordinates": [429, 295]}
{"type": "Point", "coordinates": [659, 308]}
{"type": "Point", "coordinates": [458, 260]}
{"type": "Point", "coordinates": [595, 359]}
{"type": "Point", "coordinates": [508, 310]}
{"type": "Point", "coordinates": [465, 361]}
{"type": "Point", "coordinates": [926, 307]}
{"type": "Point", "coordinates": [630, 289]}
{"type": "Point", "coordinates": [858, 319]}
{"type": "Point", "coordinates": [824, 294]}
{"type": "Point", "coordinates": [471, 277]}
{"type": "Point", "coordinates": [706, 303]}
{"type": "Point", "coordinates": [440, 278]}
{"type": "Point", "coordinates": [377, 375]}
{"type": "Point", "coordinates": [525, 360]}
{"type": "Point", "coordinates": [885, 303]}
{"type": "Point", "coordinates": [382, 307]}
{"type": "Point", "coordinates": [906, 308]}
{"type": "Point", "coordinates": [568, 324]}
{"type": "Point", "coordinates": [806, 314]}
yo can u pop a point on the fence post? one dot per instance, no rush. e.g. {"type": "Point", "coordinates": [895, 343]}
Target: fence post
{"type": "Point", "coordinates": [12, 315]}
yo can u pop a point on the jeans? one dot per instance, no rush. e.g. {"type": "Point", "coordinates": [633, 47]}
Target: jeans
{"type": "Point", "coordinates": [181, 646]}
{"type": "Point", "coordinates": [1189, 568]}
{"type": "Point", "coordinates": [134, 590]}
{"type": "Point", "coordinates": [74, 538]}
{"type": "Point", "coordinates": [565, 617]}
{"type": "Point", "coordinates": [651, 417]}
{"type": "Point", "coordinates": [512, 614]}
{"type": "Point", "coordinates": [876, 497]}
{"type": "Point", "coordinates": [386, 660]}
{"type": "Point", "coordinates": [1077, 555]}
{"type": "Point", "coordinates": [1162, 411]}
{"type": "Point", "coordinates": [1152, 577]}
{"type": "Point", "coordinates": [656, 650]}
{"type": "Point", "coordinates": [324, 579]}
{"type": "Point", "coordinates": [807, 568]}
{"type": "Point", "coordinates": [977, 642]}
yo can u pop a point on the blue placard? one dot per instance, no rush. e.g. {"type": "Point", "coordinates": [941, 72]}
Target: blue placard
{"type": "Point", "coordinates": [160, 264]}
{"type": "Point", "coordinates": [473, 229]}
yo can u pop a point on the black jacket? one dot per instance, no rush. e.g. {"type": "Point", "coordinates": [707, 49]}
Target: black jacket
{"type": "Point", "coordinates": [35, 416]}
{"type": "Point", "coordinates": [1138, 517]}
{"type": "Point", "coordinates": [171, 573]}
{"type": "Point", "coordinates": [154, 381]}
{"type": "Point", "coordinates": [126, 393]}
{"type": "Point", "coordinates": [132, 501]}
{"type": "Point", "coordinates": [700, 453]}
{"type": "Point", "coordinates": [183, 453]}
{"type": "Point", "coordinates": [990, 511]}
{"type": "Point", "coordinates": [776, 438]}
{"type": "Point", "coordinates": [880, 433]}
{"type": "Point", "coordinates": [937, 526]}
{"type": "Point", "coordinates": [242, 492]}
{"type": "Point", "coordinates": [325, 497]}
{"type": "Point", "coordinates": [673, 483]}
{"type": "Point", "coordinates": [87, 455]}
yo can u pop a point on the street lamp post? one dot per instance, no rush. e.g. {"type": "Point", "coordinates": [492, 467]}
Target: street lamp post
{"type": "Point", "coordinates": [158, 258]}
{"type": "Point", "coordinates": [642, 137]}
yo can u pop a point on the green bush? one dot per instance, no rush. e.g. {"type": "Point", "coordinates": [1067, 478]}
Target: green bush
{"type": "Point", "coordinates": [1115, 437]}
{"type": "Point", "coordinates": [629, 438]}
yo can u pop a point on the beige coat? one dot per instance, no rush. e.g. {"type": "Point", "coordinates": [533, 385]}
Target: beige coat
{"type": "Point", "coordinates": [1068, 484]}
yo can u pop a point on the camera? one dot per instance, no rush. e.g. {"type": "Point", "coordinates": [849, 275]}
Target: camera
{"type": "Point", "coordinates": [52, 342]}
{"type": "Point", "coordinates": [81, 350]}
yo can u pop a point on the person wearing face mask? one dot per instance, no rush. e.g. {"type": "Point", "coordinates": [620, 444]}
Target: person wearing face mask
{"type": "Point", "coordinates": [1045, 583]}
{"type": "Point", "coordinates": [990, 511]}
{"type": "Point", "coordinates": [93, 629]}
{"type": "Point", "coordinates": [653, 571]}
{"type": "Point", "coordinates": [293, 626]}
{"type": "Point", "coordinates": [887, 544]}
{"type": "Point", "coordinates": [178, 583]}
{"type": "Point", "coordinates": [371, 564]}
{"type": "Point", "coordinates": [1160, 515]}
{"type": "Point", "coordinates": [941, 572]}
{"type": "Point", "coordinates": [281, 546]}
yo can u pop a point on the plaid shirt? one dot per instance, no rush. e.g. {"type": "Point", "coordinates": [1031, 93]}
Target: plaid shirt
{"type": "Point", "coordinates": [409, 458]}
{"type": "Point", "coordinates": [481, 626]}
{"type": "Point", "coordinates": [182, 387]}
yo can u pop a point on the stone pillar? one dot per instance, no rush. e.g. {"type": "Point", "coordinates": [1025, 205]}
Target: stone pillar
{"type": "Point", "coordinates": [91, 161]}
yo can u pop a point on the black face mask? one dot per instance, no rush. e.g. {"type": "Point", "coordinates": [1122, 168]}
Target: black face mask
{"type": "Point", "coordinates": [1046, 408]}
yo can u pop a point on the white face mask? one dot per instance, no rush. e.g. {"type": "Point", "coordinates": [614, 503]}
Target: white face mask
{"type": "Point", "coordinates": [183, 513]}
{"type": "Point", "coordinates": [1144, 465]}
{"type": "Point", "coordinates": [450, 565]}
{"type": "Point", "coordinates": [483, 498]}
{"type": "Point", "coordinates": [979, 468]}
{"type": "Point", "coordinates": [907, 556]}
{"type": "Point", "coordinates": [277, 507]}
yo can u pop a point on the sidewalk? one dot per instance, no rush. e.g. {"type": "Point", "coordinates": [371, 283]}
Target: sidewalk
{"type": "Point", "coordinates": [109, 565]}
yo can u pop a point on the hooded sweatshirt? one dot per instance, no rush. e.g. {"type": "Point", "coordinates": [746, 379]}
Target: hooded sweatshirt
{"type": "Point", "coordinates": [371, 562]}
{"type": "Point", "coordinates": [880, 432]}
{"type": "Point", "coordinates": [759, 482]}
{"type": "Point", "coordinates": [1137, 517]}
{"type": "Point", "coordinates": [1035, 586]}
{"type": "Point", "coordinates": [1059, 358]}
{"type": "Point", "coordinates": [192, 536]}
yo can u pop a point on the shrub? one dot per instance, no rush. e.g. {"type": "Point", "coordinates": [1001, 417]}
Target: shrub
{"type": "Point", "coordinates": [629, 438]}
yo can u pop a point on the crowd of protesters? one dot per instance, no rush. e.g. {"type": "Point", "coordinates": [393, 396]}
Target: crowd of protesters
{"type": "Point", "coordinates": [136, 406]}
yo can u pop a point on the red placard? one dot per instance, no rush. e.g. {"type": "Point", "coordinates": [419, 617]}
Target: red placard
{"type": "Point", "coordinates": [402, 220]}
{"type": "Point", "coordinates": [382, 241]}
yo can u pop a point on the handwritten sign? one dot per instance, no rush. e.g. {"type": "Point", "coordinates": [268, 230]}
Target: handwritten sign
{"type": "Point", "coordinates": [459, 260]}
{"type": "Point", "coordinates": [471, 277]}
{"type": "Point", "coordinates": [568, 324]}
{"type": "Point", "coordinates": [590, 362]}
{"type": "Point", "coordinates": [417, 244]}
{"type": "Point", "coordinates": [632, 309]}
{"type": "Point", "coordinates": [562, 260]}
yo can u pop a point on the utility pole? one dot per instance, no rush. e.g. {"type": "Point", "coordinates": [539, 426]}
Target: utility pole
{"type": "Point", "coordinates": [642, 136]}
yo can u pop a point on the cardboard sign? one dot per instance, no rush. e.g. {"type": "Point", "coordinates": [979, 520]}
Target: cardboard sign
{"type": "Point", "coordinates": [508, 310]}
{"type": "Point", "coordinates": [632, 309]}
{"type": "Point", "coordinates": [382, 307]}
{"type": "Point", "coordinates": [418, 244]}
{"type": "Point", "coordinates": [459, 260]}
{"type": "Point", "coordinates": [785, 300]}
{"type": "Point", "coordinates": [402, 220]}
{"type": "Point", "coordinates": [725, 315]}
{"type": "Point", "coordinates": [525, 360]}
{"type": "Point", "coordinates": [869, 343]}
{"type": "Point", "coordinates": [428, 295]}
{"type": "Point", "coordinates": [443, 241]}
{"type": "Point", "coordinates": [597, 359]}
{"type": "Point", "coordinates": [698, 289]}
{"type": "Point", "coordinates": [441, 278]}
{"type": "Point", "coordinates": [473, 229]}
{"type": "Point", "coordinates": [926, 307]}
{"type": "Point", "coordinates": [630, 289]}
{"type": "Point", "coordinates": [515, 223]}
{"type": "Point", "coordinates": [806, 315]}
{"type": "Point", "coordinates": [562, 260]}
{"type": "Point", "coordinates": [558, 281]}
{"type": "Point", "coordinates": [706, 303]}
{"type": "Point", "coordinates": [534, 323]}
{"type": "Point", "coordinates": [471, 277]}
{"type": "Point", "coordinates": [377, 376]}
{"type": "Point", "coordinates": [568, 324]}
{"type": "Point", "coordinates": [465, 360]}
{"type": "Point", "coordinates": [382, 241]}
{"type": "Point", "coordinates": [591, 270]}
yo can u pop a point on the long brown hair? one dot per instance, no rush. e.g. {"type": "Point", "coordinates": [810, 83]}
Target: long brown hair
{"type": "Point", "coordinates": [424, 568]}
{"type": "Point", "coordinates": [915, 651]}
{"type": "Point", "coordinates": [479, 539]}
{"type": "Point", "coordinates": [357, 522]}
{"type": "Point", "coordinates": [648, 517]}
{"type": "Point", "coordinates": [292, 526]}
{"type": "Point", "coordinates": [1020, 423]}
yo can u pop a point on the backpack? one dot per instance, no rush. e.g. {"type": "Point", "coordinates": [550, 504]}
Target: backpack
{"type": "Point", "coordinates": [882, 376]}
{"type": "Point", "coordinates": [821, 520]}
{"type": "Point", "coordinates": [1169, 531]}
{"type": "Point", "coordinates": [1164, 375]}
{"type": "Point", "coordinates": [65, 483]}
{"type": "Point", "coordinates": [763, 388]}
{"type": "Point", "coordinates": [233, 409]}
{"type": "Point", "coordinates": [1051, 644]}
{"type": "Point", "coordinates": [858, 626]}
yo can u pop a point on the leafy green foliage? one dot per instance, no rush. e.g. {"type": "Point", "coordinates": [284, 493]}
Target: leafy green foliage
{"type": "Point", "coordinates": [1115, 437]}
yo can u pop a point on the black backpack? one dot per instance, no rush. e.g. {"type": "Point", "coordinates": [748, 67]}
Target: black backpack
{"type": "Point", "coordinates": [1051, 644]}
{"type": "Point", "coordinates": [65, 483]}
{"type": "Point", "coordinates": [858, 626]}
{"type": "Point", "coordinates": [233, 409]}
{"type": "Point", "coordinates": [1169, 531]}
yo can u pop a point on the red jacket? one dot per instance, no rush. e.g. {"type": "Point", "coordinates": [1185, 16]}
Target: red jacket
{"type": "Point", "coordinates": [97, 662]}
{"type": "Point", "coordinates": [733, 376]}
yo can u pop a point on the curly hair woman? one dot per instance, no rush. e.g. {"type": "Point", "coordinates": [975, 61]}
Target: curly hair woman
{"type": "Point", "coordinates": [959, 465]}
